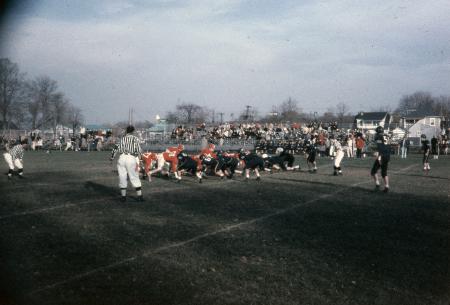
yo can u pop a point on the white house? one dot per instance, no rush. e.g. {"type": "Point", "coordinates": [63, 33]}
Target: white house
{"type": "Point", "coordinates": [368, 121]}
{"type": "Point", "coordinates": [429, 126]}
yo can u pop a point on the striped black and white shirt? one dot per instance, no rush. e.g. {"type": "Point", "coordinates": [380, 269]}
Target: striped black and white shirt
{"type": "Point", "coordinates": [115, 150]}
{"type": "Point", "coordinates": [16, 152]}
{"type": "Point", "coordinates": [129, 144]}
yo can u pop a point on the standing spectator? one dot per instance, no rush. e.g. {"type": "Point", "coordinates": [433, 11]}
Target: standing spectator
{"type": "Point", "coordinates": [68, 145]}
{"type": "Point", "coordinates": [404, 144]}
{"type": "Point", "coordinates": [84, 145]}
{"type": "Point", "coordinates": [360, 143]}
{"type": "Point", "coordinates": [99, 144]}
{"type": "Point", "coordinates": [350, 146]}
{"type": "Point", "coordinates": [39, 143]}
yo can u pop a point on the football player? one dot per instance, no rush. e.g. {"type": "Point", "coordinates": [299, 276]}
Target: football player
{"type": "Point", "coordinates": [14, 158]}
{"type": "Point", "coordinates": [311, 152]}
{"type": "Point", "coordinates": [186, 163]}
{"type": "Point", "coordinates": [382, 157]}
{"type": "Point", "coordinates": [426, 153]}
{"type": "Point", "coordinates": [252, 162]}
{"type": "Point", "coordinates": [339, 155]}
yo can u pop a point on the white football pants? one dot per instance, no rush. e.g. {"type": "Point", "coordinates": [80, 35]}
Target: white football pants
{"type": "Point", "coordinates": [128, 165]}
{"type": "Point", "coordinates": [338, 159]}
{"type": "Point", "coordinates": [11, 163]}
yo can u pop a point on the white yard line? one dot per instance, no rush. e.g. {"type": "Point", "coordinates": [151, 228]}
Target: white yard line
{"type": "Point", "coordinates": [198, 237]}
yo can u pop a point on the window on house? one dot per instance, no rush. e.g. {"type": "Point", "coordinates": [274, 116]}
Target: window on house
{"type": "Point", "coordinates": [432, 121]}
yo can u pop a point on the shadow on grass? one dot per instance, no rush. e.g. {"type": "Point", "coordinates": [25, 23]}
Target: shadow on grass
{"type": "Point", "coordinates": [394, 247]}
{"type": "Point", "coordinates": [377, 248]}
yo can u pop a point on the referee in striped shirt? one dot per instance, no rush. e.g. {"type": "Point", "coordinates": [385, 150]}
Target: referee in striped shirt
{"type": "Point", "coordinates": [128, 163]}
{"type": "Point", "coordinates": [14, 157]}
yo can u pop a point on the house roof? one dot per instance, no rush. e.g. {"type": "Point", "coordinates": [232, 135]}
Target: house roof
{"type": "Point", "coordinates": [420, 113]}
{"type": "Point", "coordinates": [371, 116]}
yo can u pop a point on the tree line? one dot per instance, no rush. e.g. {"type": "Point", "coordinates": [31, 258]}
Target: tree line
{"type": "Point", "coordinates": [422, 102]}
{"type": "Point", "coordinates": [419, 103]}
{"type": "Point", "coordinates": [287, 111]}
{"type": "Point", "coordinates": [33, 103]}
{"type": "Point", "coordinates": [38, 103]}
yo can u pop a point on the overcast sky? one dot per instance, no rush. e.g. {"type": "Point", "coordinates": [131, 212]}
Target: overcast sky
{"type": "Point", "coordinates": [110, 55]}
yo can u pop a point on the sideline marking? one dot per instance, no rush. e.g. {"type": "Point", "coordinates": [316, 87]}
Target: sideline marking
{"type": "Point", "coordinates": [198, 237]}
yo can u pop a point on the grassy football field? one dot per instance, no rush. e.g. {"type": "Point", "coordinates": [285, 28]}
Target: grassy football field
{"type": "Point", "coordinates": [291, 238]}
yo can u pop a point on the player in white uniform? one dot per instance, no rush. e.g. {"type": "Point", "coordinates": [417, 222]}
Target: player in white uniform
{"type": "Point", "coordinates": [339, 151]}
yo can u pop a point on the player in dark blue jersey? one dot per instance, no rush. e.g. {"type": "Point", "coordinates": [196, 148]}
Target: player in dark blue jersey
{"type": "Point", "coordinates": [383, 155]}
{"type": "Point", "coordinates": [186, 163]}
{"type": "Point", "coordinates": [252, 162]}
{"type": "Point", "coordinates": [311, 152]}
{"type": "Point", "coordinates": [426, 153]}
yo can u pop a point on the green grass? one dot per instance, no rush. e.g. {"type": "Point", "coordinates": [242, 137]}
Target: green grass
{"type": "Point", "coordinates": [292, 238]}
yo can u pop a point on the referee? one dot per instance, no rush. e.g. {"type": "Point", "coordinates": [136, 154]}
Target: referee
{"type": "Point", "coordinates": [14, 158]}
{"type": "Point", "coordinates": [128, 163]}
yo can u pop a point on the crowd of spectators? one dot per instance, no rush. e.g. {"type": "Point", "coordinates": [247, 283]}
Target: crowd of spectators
{"type": "Point", "coordinates": [89, 141]}
{"type": "Point", "coordinates": [246, 131]}
{"type": "Point", "coordinates": [266, 138]}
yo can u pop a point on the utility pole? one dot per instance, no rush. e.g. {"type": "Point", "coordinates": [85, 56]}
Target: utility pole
{"type": "Point", "coordinates": [221, 117]}
{"type": "Point", "coordinates": [213, 116]}
{"type": "Point", "coordinates": [247, 112]}
{"type": "Point", "coordinates": [130, 116]}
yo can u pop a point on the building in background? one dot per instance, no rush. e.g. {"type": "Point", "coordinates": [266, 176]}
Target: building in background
{"type": "Point", "coordinates": [369, 121]}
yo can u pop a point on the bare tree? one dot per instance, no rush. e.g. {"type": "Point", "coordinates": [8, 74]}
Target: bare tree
{"type": "Point", "coordinates": [58, 110]}
{"type": "Point", "coordinates": [289, 110]}
{"type": "Point", "coordinates": [442, 106]}
{"type": "Point", "coordinates": [42, 92]}
{"type": "Point", "coordinates": [419, 101]}
{"type": "Point", "coordinates": [342, 110]}
{"type": "Point", "coordinates": [172, 117]}
{"type": "Point", "coordinates": [328, 115]}
{"type": "Point", "coordinates": [188, 113]}
{"type": "Point", "coordinates": [17, 114]}
{"type": "Point", "coordinates": [11, 84]}
{"type": "Point", "coordinates": [75, 117]}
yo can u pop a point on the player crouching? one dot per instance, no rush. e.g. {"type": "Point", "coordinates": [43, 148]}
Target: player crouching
{"type": "Point", "coordinates": [282, 160]}
{"type": "Point", "coordinates": [14, 158]}
{"type": "Point", "coordinates": [252, 162]}
{"type": "Point", "coordinates": [188, 164]}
